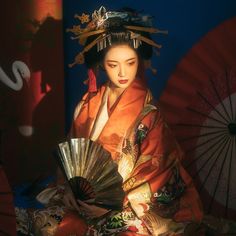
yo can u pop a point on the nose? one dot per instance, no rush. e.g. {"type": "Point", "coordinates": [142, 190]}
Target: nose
{"type": "Point", "coordinates": [121, 71]}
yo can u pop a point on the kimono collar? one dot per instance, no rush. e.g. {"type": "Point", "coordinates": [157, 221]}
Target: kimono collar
{"type": "Point", "coordinates": [121, 119]}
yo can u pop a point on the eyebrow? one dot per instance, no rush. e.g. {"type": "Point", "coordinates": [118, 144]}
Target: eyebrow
{"type": "Point", "coordinates": [125, 60]}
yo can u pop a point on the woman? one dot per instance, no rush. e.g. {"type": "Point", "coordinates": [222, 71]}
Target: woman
{"type": "Point", "coordinates": [122, 116]}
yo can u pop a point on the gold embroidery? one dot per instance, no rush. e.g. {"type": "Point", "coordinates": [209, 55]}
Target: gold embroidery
{"type": "Point", "coordinates": [158, 225]}
{"type": "Point", "coordinates": [142, 159]}
{"type": "Point", "coordinates": [129, 184]}
{"type": "Point", "coordinates": [125, 166]}
{"type": "Point", "coordinates": [83, 18]}
{"type": "Point", "coordinates": [139, 199]}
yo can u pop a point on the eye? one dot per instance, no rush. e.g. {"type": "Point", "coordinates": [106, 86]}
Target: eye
{"type": "Point", "coordinates": [131, 63]}
{"type": "Point", "coordinates": [112, 65]}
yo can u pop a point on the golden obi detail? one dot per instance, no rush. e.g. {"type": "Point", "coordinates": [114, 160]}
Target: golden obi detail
{"type": "Point", "coordinates": [158, 225]}
{"type": "Point", "coordinates": [125, 166]}
{"type": "Point", "coordinates": [129, 184]}
{"type": "Point", "coordinates": [139, 199]}
{"type": "Point", "coordinates": [47, 221]}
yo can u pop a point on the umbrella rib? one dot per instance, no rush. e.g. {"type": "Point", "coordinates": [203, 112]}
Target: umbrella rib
{"type": "Point", "coordinates": [203, 183]}
{"type": "Point", "coordinates": [218, 178]}
{"type": "Point", "coordinates": [205, 115]}
{"type": "Point", "coordinates": [208, 103]}
{"type": "Point", "coordinates": [203, 143]}
{"type": "Point", "coordinates": [229, 93]}
{"type": "Point", "coordinates": [228, 182]}
{"type": "Point", "coordinates": [219, 98]}
{"type": "Point", "coordinates": [204, 164]}
{"type": "Point", "coordinates": [200, 135]}
{"type": "Point", "coordinates": [199, 126]}
{"type": "Point", "coordinates": [212, 146]}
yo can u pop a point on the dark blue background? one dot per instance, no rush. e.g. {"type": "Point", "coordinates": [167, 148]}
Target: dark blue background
{"type": "Point", "coordinates": [187, 21]}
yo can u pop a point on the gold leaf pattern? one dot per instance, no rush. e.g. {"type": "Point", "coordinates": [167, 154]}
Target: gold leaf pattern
{"type": "Point", "coordinates": [84, 18]}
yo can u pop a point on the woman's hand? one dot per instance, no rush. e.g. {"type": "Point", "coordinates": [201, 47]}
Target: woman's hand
{"type": "Point", "coordinates": [89, 210]}
{"type": "Point", "coordinates": [69, 200]}
{"type": "Point", "coordinates": [92, 211]}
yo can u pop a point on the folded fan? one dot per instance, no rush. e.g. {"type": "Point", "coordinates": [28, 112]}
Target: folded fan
{"type": "Point", "coordinates": [91, 172]}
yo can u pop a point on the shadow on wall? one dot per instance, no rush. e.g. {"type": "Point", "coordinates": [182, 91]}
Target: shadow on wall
{"type": "Point", "coordinates": [31, 157]}
{"type": "Point", "coordinates": [48, 115]}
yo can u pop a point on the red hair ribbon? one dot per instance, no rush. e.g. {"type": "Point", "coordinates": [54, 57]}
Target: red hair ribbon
{"type": "Point", "coordinates": [92, 81]}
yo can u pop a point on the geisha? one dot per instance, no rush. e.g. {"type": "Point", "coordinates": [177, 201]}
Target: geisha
{"type": "Point", "coordinates": [121, 114]}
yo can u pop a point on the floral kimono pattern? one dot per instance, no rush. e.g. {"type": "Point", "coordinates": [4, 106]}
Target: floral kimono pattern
{"type": "Point", "coordinates": [159, 193]}
{"type": "Point", "coordinates": [160, 196]}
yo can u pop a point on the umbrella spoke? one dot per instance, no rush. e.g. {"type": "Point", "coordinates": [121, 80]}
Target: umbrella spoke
{"type": "Point", "coordinates": [219, 98]}
{"type": "Point", "coordinates": [229, 178]}
{"type": "Point", "coordinates": [213, 107]}
{"type": "Point", "coordinates": [209, 158]}
{"type": "Point", "coordinates": [206, 142]}
{"type": "Point", "coordinates": [200, 135]}
{"type": "Point", "coordinates": [205, 115]}
{"type": "Point", "coordinates": [218, 178]}
{"type": "Point", "coordinates": [229, 94]}
{"type": "Point", "coordinates": [208, 149]}
{"type": "Point", "coordinates": [212, 166]}
{"type": "Point", "coordinates": [199, 126]}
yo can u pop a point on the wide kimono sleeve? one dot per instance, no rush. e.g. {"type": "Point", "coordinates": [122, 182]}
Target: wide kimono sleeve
{"type": "Point", "coordinates": [159, 190]}
{"type": "Point", "coordinates": [72, 132]}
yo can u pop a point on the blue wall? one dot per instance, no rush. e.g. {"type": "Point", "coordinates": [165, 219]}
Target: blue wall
{"type": "Point", "coordinates": [187, 21]}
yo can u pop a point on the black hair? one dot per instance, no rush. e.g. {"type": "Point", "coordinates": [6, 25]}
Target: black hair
{"type": "Point", "coordinates": [117, 34]}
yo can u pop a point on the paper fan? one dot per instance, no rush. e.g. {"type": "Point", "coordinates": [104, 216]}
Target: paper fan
{"type": "Point", "coordinates": [7, 213]}
{"type": "Point", "coordinates": [91, 172]}
{"type": "Point", "coordinates": [199, 103]}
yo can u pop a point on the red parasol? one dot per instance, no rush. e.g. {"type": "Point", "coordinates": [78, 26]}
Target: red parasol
{"type": "Point", "coordinates": [7, 213]}
{"type": "Point", "coordinates": [199, 103]}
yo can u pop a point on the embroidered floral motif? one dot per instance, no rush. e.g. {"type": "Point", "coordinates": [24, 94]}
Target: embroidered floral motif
{"type": "Point", "coordinates": [127, 147]}
{"type": "Point", "coordinates": [129, 184]}
{"type": "Point", "coordinates": [140, 133]}
{"type": "Point", "coordinates": [172, 190]}
{"type": "Point", "coordinates": [165, 202]}
{"type": "Point", "coordinates": [47, 220]}
{"type": "Point", "coordinates": [23, 221]}
{"type": "Point", "coordinates": [121, 221]}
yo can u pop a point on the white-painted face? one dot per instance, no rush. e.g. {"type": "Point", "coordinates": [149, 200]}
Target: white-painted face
{"type": "Point", "coordinates": [121, 65]}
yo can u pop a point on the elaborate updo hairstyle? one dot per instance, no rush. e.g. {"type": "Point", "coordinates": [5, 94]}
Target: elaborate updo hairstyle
{"type": "Point", "coordinates": [117, 34]}
{"type": "Point", "coordinates": [109, 28]}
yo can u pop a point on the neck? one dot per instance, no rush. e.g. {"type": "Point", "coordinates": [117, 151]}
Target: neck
{"type": "Point", "coordinates": [114, 91]}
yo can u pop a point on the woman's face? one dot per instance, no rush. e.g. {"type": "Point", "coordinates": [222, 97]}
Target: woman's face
{"type": "Point", "coordinates": [121, 65]}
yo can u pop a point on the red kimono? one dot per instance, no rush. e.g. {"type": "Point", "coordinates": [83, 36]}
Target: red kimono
{"type": "Point", "coordinates": [158, 190]}
{"type": "Point", "coordinates": [160, 196]}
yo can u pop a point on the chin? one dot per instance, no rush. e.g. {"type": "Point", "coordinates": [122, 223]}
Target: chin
{"type": "Point", "coordinates": [123, 86]}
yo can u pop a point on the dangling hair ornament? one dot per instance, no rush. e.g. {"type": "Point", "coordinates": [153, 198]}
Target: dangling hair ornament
{"type": "Point", "coordinates": [100, 25]}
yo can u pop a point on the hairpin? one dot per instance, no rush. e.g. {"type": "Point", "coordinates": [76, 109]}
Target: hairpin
{"type": "Point", "coordinates": [100, 25]}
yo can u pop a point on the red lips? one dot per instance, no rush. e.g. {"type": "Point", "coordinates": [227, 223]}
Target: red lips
{"type": "Point", "coordinates": [123, 81]}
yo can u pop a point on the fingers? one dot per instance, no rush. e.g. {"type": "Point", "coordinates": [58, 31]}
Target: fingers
{"type": "Point", "coordinates": [70, 202]}
{"type": "Point", "coordinates": [90, 201]}
{"type": "Point", "coordinates": [83, 204]}
{"type": "Point", "coordinates": [92, 211]}
{"type": "Point", "coordinates": [87, 209]}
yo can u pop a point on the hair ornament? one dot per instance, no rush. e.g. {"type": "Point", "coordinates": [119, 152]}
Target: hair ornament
{"type": "Point", "coordinates": [102, 22]}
